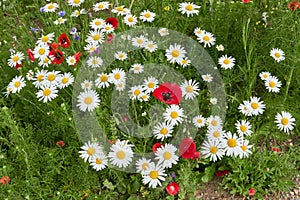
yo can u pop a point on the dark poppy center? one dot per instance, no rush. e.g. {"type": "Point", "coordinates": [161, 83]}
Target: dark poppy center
{"type": "Point", "coordinates": [166, 95]}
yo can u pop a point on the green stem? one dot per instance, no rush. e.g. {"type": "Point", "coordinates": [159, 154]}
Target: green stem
{"type": "Point", "coordinates": [288, 85]}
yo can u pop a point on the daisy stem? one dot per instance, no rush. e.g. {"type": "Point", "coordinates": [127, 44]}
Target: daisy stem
{"type": "Point", "coordinates": [131, 4]}
{"type": "Point", "coordinates": [288, 85]}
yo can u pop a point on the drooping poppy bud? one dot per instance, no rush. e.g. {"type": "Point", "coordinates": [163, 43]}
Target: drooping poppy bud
{"type": "Point", "coordinates": [77, 56]}
{"type": "Point", "coordinates": [30, 54]}
{"type": "Point", "coordinates": [169, 93]}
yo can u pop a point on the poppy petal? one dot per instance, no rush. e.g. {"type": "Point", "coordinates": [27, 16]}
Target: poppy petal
{"type": "Point", "coordinates": [63, 40]}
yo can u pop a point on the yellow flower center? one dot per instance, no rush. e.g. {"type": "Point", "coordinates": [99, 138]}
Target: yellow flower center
{"type": "Point", "coordinates": [153, 174]}
{"type": "Point", "coordinates": [46, 92]}
{"type": "Point", "coordinates": [88, 100]}
{"type": "Point", "coordinates": [50, 6]}
{"type": "Point", "coordinates": [147, 15]}
{"type": "Point", "coordinates": [95, 62]}
{"type": "Point", "coordinates": [284, 121]}
{"type": "Point", "coordinates": [151, 85]}
{"type": "Point", "coordinates": [214, 122]}
{"type": "Point", "coordinates": [87, 84]}
{"type": "Point", "coordinates": [231, 142]}
{"type": "Point", "coordinates": [150, 46]}
{"type": "Point", "coordinates": [213, 149]}
{"type": "Point", "coordinates": [199, 121]}
{"type": "Point", "coordinates": [243, 128]}
{"type": "Point", "coordinates": [167, 155]}
{"type": "Point", "coordinates": [92, 49]}
{"type": "Point", "coordinates": [17, 84]}
{"type": "Point", "coordinates": [140, 41]}
{"type": "Point", "coordinates": [189, 89]}
{"type": "Point", "coordinates": [65, 80]}
{"type": "Point", "coordinates": [98, 161]}
{"type": "Point", "coordinates": [107, 28]}
{"type": "Point", "coordinates": [97, 23]}
{"type": "Point", "coordinates": [137, 68]}
{"type": "Point", "coordinates": [100, 6]}
{"type": "Point", "coordinates": [96, 37]}
{"type": "Point", "coordinates": [145, 166]}
{"type": "Point", "coordinates": [226, 61]}
{"type": "Point", "coordinates": [60, 20]}
{"type": "Point", "coordinates": [117, 76]}
{"type": "Point", "coordinates": [121, 155]}
{"type": "Point", "coordinates": [103, 78]}
{"type": "Point", "coordinates": [136, 92]}
{"type": "Point", "coordinates": [46, 60]}
{"type": "Point", "coordinates": [272, 84]}
{"type": "Point", "coordinates": [45, 38]}
{"type": "Point", "coordinates": [76, 1]}
{"type": "Point", "coordinates": [120, 8]}
{"type": "Point", "coordinates": [121, 55]}
{"type": "Point", "coordinates": [243, 147]}
{"type": "Point", "coordinates": [40, 78]}
{"type": "Point", "coordinates": [15, 58]}
{"type": "Point", "coordinates": [206, 38]}
{"type": "Point", "coordinates": [72, 60]}
{"type": "Point", "coordinates": [167, 8]}
{"type": "Point", "coordinates": [51, 77]}
{"type": "Point", "coordinates": [254, 105]}
{"type": "Point", "coordinates": [164, 131]}
{"type": "Point", "coordinates": [265, 76]}
{"type": "Point", "coordinates": [189, 7]}
{"type": "Point", "coordinates": [277, 55]}
{"type": "Point", "coordinates": [175, 53]}
{"type": "Point", "coordinates": [184, 61]}
{"type": "Point", "coordinates": [91, 151]}
{"type": "Point", "coordinates": [174, 115]}
{"type": "Point", "coordinates": [216, 134]}
{"type": "Point", "coordinates": [130, 19]}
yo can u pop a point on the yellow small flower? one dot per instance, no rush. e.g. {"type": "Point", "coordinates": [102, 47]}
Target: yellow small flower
{"type": "Point", "coordinates": [167, 8]}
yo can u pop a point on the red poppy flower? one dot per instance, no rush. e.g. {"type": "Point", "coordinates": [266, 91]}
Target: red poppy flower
{"type": "Point", "coordinates": [4, 180]}
{"type": "Point", "coordinates": [294, 5]}
{"type": "Point", "coordinates": [113, 21]}
{"type": "Point", "coordinates": [156, 146]}
{"type": "Point", "coordinates": [173, 188]}
{"type": "Point", "coordinates": [77, 57]}
{"type": "Point", "coordinates": [187, 148]}
{"type": "Point", "coordinates": [58, 56]}
{"type": "Point", "coordinates": [63, 40]}
{"type": "Point", "coordinates": [110, 38]}
{"type": "Point", "coordinates": [251, 191]}
{"type": "Point", "coordinates": [246, 1]}
{"type": "Point", "coordinates": [222, 173]}
{"type": "Point", "coordinates": [60, 143]}
{"type": "Point", "coordinates": [30, 54]}
{"type": "Point", "coordinates": [275, 149]}
{"type": "Point", "coordinates": [18, 66]}
{"type": "Point", "coordinates": [169, 93]}
{"type": "Point", "coordinates": [53, 46]}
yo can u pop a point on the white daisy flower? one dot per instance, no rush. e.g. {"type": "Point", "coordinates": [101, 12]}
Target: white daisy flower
{"type": "Point", "coordinates": [135, 92]}
{"type": "Point", "coordinates": [215, 133]}
{"type": "Point", "coordinates": [220, 47]}
{"type": "Point", "coordinates": [9, 90]}
{"type": "Point", "coordinates": [51, 78]}
{"type": "Point", "coordinates": [150, 46]}
{"type": "Point", "coordinates": [207, 38]}
{"type": "Point", "coordinates": [198, 31]}
{"type": "Point", "coordinates": [264, 75]}
{"type": "Point", "coordinates": [121, 10]}
{"type": "Point", "coordinates": [189, 89]}
{"type": "Point", "coordinates": [245, 149]}
{"type": "Point", "coordinates": [71, 61]}
{"type": "Point", "coordinates": [16, 84]}
{"type": "Point", "coordinates": [47, 93]}
{"type": "Point", "coordinates": [257, 107]}
{"type": "Point", "coordinates": [120, 55]}
{"type": "Point", "coordinates": [166, 155]}
{"type": "Point", "coordinates": [117, 75]}
{"type": "Point", "coordinates": [102, 81]}
{"type": "Point", "coordinates": [184, 62]}
{"type": "Point", "coordinates": [212, 149]}
{"type": "Point", "coordinates": [243, 128]}
{"type": "Point", "coordinates": [41, 51]}
{"type": "Point", "coordinates": [121, 153]}
{"type": "Point", "coordinates": [60, 20]}
{"type": "Point", "coordinates": [51, 7]}
{"type": "Point", "coordinates": [143, 164]}
{"type": "Point", "coordinates": [188, 8]}
{"type": "Point", "coordinates": [89, 151]}
{"type": "Point", "coordinates": [15, 59]}
{"type": "Point", "coordinates": [137, 68]}
{"type": "Point", "coordinates": [147, 16]}
{"type": "Point", "coordinates": [213, 101]}
{"type": "Point", "coordinates": [39, 78]}
{"type": "Point", "coordinates": [173, 114]}
{"type": "Point", "coordinates": [277, 54]}
{"type": "Point", "coordinates": [101, 6]}
{"type": "Point", "coordinates": [231, 144]}
{"type": "Point", "coordinates": [45, 39]}
{"type": "Point", "coordinates": [144, 96]}
{"type": "Point", "coordinates": [226, 62]}
{"type": "Point", "coordinates": [86, 85]}
{"type": "Point", "coordinates": [175, 53]}
{"type": "Point", "coordinates": [96, 37]}
{"type": "Point", "coordinates": [150, 84]}
{"type": "Point", "coordinates": [77, 13]}
{"type": "Point", "coordinates": [108, 28]}
{"type": "Point", "coordinates": [285, 121]}
{"type": "Point", "coordinates": [65, 80]}
{"type": "Point", "coordinates": [94, 62]}
{"type": "Point", "coordinates": [199, 121]}
{"type": "Point", "coordinates": [130, 20]}
{"type": "Point", "coordinates": [91, 47]}
{"type": "Point", "coordinates": [163, 131]}
{"type": "Point", "coordinates": [273, 84]}
{"type": "Point", "coordinates": [163, 32]}
{"type": "Point", "coordinates": [46, 61]}
{"type": "Point", "coordinates": [153, 175]}
{"type": "Point", "coordinates": [99, 161]}
{"type": "Point", "coordinates": [120, 86]}
{"type": "Point", "coordinates": [75, 3]}
{"type": "Point", "coordinates": [245, 108]}
{"type": "Point", "coordinates": [214, 121]}
{"type": "Point", "coordinates": [207, 78]}
{"type": "Point", "coordinates": [139, 41]}
{"type": "Point", "coordinates": [88, 100]}
{"type": "Point", "coordinates": [97, 23]}
{"type": "Point", "coordinates": [30, 75]}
